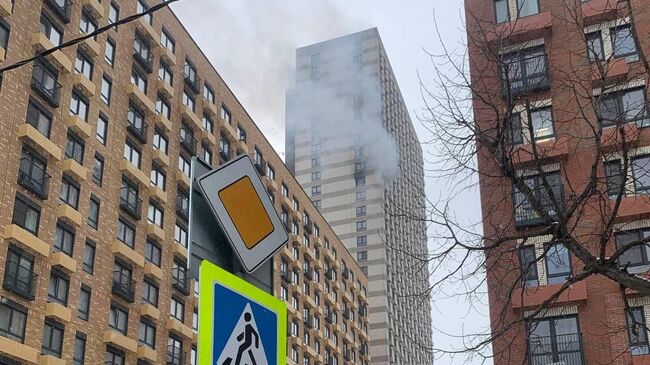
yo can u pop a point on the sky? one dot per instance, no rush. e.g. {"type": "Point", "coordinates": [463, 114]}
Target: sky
{"type": "Point", "coordinates": [252, 45]}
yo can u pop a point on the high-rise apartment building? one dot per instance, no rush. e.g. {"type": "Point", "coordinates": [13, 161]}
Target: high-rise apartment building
{"type": "Point", "coordinates": [559, 98]}
{"type": "Point", "coordinates": [97, 140]}
{"type": "Point", "coordinates": [352, 146]}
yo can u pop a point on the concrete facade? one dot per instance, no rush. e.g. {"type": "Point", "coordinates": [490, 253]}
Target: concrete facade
{"type": "Point", "coordinates": [352, 146]}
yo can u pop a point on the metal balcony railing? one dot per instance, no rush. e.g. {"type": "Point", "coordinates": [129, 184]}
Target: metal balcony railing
{"type": "Point", "coordinates": [62, 8]}
{"type": "Point", "coordinates": [131, 203]}
{"type": "Point", "coordinates": [143, 55]}
{"type": "Point", "coordinates": [286, 277]}
{"type": "Point", "coordinates": [179, 280]}
{"type": "Point", "coordinates": [525, 213]}
{"type": "Point", "coordinates": [524, 75]}
{"type": "Point", "coordinates": [34, 178]}
{"type": "Point", "coordinates": [124, 286]}
{"type": "Point", "coordinates": [224, 154]}
{"type": "Point", "coordinates": [329, 274]}
{"type": "Point", "coordinates": [45, 83]}
{"type": "Point", "coordinates": [346, 313]}
{"type": "Point", "coordinates": [261, 167]}
{"type": "Point", "coordinates": [308, 228]}
{"type": "Point", "coordinates": [183, 206]}
{"type": "Point", "coordinates": [138, 129]}
{"type": "Point", "coordinates": [192, 79]}
{"type": "Point", "coordinates": [559, 349]}
{"type": "Point", "coordinates": [308, 274]}
{"type": "Point", "coordinates": [19, 280]}
{"type": "Point", "coordinates": [174, 355]}
{"type": "Point", "coordinates": [188, 141]}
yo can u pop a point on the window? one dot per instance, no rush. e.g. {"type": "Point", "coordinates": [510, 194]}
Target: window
{"type": "Point", "coordinates": [614, 177]}
{"type": "Point", "coordinates": [93, 212]}
{"type": "Point", "coordinates": [316, 175]}
{"type": "Point", "coordinates": [153, 253]}
{"type": "Point", "coordinates": [208, 124]}
{"type": "Point", "coordinates": [284, 190]}
{"type": "Point", "coordinates": [142, 7]}
{"type": "Point", "coordinates": [155, 214]}
{"type": "Point", "coordinates": [177, 309]}
{"type": "Point", "coordinates": [187, 138]}
{"type": "Point", "coordinates": [361, 211]}
{"type": "Point", "coordinates": [158, 178]}
{"type": "Point", "coordinates": [52, 338]}
{"type": "Point", "coordinates": [160, 141]}
{"type": "Point", "coordinates": [113, 357]}
{"type": "Point", "coordinates": [26, 215]}
{"type": "Point", "coordinates": [524, 71]}
{"type": "Point", "coordinates": [39, 118]}
{"type": "Point", "coordinates": [84, 303]}
{"type": "Point", "coordinates": [79, 105]}
{"type": "Point", "coordinates": [558, 264]}
{"type": "Point", "coordinates": [641, 173]}
{"type": "Point", "coordinates": [528, 265]}
{"type": "Point", "coordinates": [527, 7]}
{"type": "Point", "coordinates": [107, 85]}
{"type": "Point", "coordinates": [362, 241]}
{"type": "Point", "coordinates": [83, 65]}
{"type": "Point", "coordinates": [179, 276]}
{"type": "Point", "coordinates": [270, 172]}
{"type": "Point", "coordinates": [113, 13]}
{"type": "Point", "coordinates": [125, 233]}
{"type": "Point", "coordinates": [208, 93]}
{"type": "Point", "coordinates": [162, 107]}
{"type": "Point", "coordinates": [167, 41]}
{"type": "Point", "coordinates": [191, 77]}
{"type": "Point", "coordinates": [206, 154]}
{"type": "Point", "coordinates": [89, 257]}
{"type": "Point", "coordinates": [129, 200]}
{"type": "Point", "coordinates": [69, 193]}
{"type": "Point", "coordinates": [4, 35]}
{"type": "Point", "coordinates": [224, 148]}
{"type": "Point", "coordinates": [147, 334]}
{"type": "Point", "coordinates": [525, 214]}
{"type": "Point", "coordinates": [623, 41]}
{"type": "Point", "coordinates": [63, 239]}
{"type": "Point", "coordinates": [623, 107]}
{"type": "Point", "coordinates": [102, 129]}
{"type": "Point", "coordinates": [79, 355]}
{"type": "Point", "coordinates": [14, 320]}
{"type": "Point", "coordinates": [139, 79]}
{"type": "Point", "coordinates": [57, 290]}
{"type": "Point", "coordinates": [87, 24]}
{"type": "Point", "coordinates": [74, 148]}
{"type": "Point", "coordinates": [142, 52]}
{"type": "Point", "coordinates": [19, 273]}
{"type": "Point", "coordinates": [49, 28]}
{"type": "Point", "coordinates": [184, 165]}
{"type": "Point", "coordinates": [188, 101]}
{"type": "Point", "coordinates": [315, 148]}
{"type": "Point", "coordinates": [32, 173]}
{"type": "Point", "coordinates": [131, 153]}
{"type": "Point", "coordinates": [315, 162]}
{"type": "Point", "coordinates": [317, 204]}
{"type": "Point", "coordinates": [241, 134]}
{"type": "Point", "coordinates": [637, 331]}
{"type": "Point", "coordinates": [362, 225]}
{"type": "Point", "coordinates": [595, 47]}
{"type": "Point", "coordinates": [174, 351]}
{"type": "Point", "coordinates": [225, 115]}
{"type": "Point", "coordinates": [315, 190]}
{"type": "Point", "coordinates": [165, 74]}
{"type": "Point", "coordinates": [501, 11]}
{"type": "Point", "coordinates": [195, 319]}
{"type": "Point", "coordinates": [109, 52]}
{"type": "Point", "coordinates": [554, 340]}
{"type": "Point", "coordinates": [98, 170]}
{"type": "Point", "coordinates": [362, 255]}
{"type": "Point", "coordinates": [118, 318]}
{"type": "Point", "coordinates": [638, 255]}
{"type": "Point", "coordinates": [180, 234]}
{"type": "Point", "coordinates": [150, 293]}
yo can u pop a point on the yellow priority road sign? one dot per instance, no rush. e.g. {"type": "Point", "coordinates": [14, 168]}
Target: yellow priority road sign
{"type": "Point", "coordinates": [237, 197]}
{"type": "Point", "coordinates": [238, 322]}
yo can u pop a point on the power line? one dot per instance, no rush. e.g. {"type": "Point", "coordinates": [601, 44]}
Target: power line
{"type": "Point", "coordinates": [78, 40]}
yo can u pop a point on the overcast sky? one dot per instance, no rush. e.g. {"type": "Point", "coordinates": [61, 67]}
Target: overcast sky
{"type": "Point", "coordinates": [252, 44]}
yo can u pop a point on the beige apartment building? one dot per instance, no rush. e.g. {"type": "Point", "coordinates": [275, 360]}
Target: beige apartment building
{"type": "Point", "coordinates": [96, 143]}
{"type": "Point", "coordinates": [351, 145]}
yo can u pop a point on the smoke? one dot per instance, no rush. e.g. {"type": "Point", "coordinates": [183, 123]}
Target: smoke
{"type": "Point", "coordinates": [265, 35]}
{"type": "Point", "coordinates": [338, 95]}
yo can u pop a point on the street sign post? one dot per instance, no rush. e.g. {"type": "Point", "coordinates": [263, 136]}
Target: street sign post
{"type": "Point", "coordinates": [238, 323]}
{"type": "Point", "coordinates": [237, 197]}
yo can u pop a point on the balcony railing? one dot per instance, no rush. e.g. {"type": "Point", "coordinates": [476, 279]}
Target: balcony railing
{"type": "Point", "coordinates": [124, 286]}
{"type": "Point", "coordinates": [225, 155]}
{"type": "Point", "coordinates": [559, 349]}
{"type": "Point", "coordinates": [525, 213]}
{"type": "Point", "coordinates": [20, 280]}
{"type": "Point", "coordinates": [188, 141]}
{"type": "Point", "coordinates": [194, 82]}
{"type": "Point", "coordinates": [261, 167]}
{"type": "Point", "coordinates": [45, 83]}
{"type": "Point", "coordinates": [346, 273]}
{"type": "Point", "coordinates": [34, 178]}
{"type": "Point", "coordinates": [329, 274]}
{"type": "Point", "coordinates": [329, 318]}
{"type": "Point", "coordinates": [144, 57]}
{"type": "Point", "coordinates": [309, 322]}
{"type": "Point", "coordinates": [285, 277]}
{"type": "Point", "coordinates": [61, 8]}
{"type": "Point", "coordinates": [179, 281]}
{"type": "Point", "coordinates": [346, 313]}
{"type": "Point", "coordinates": [183, 206]}
{"type": "Point", "coordinates": [138, 129]}
{"type": "Point", "coordinates": [131, 203]}
{"type": "Point", "coordinates": [308, 228]}
{"type": "Point", "coordinates": [525, 75]}
{"type": "Point", "coordinates": [308, 274]}
{"type": "Point", "coordinates": [174, 355]}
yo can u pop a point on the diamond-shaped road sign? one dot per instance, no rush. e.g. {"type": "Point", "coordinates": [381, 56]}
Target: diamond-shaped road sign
{"type": "Point", "coordinates": [244, 210]}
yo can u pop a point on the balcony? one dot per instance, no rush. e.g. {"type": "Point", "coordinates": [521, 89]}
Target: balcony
{"type": "Point", "coordinates": [632, 207]}
{"type": "Point", "coordinates": [609, 72]}
{"type": "Point", "coordinates": [131, 203]}
{"type": "Point", "coordinates": [260, 166]}
{"type": "Point", "coordinates": [231, 133]}
{"type": "Point", "coordinates": [188, 141]}
{"type": "Point", "coordinates": [17, 350]}
{"type": "Point", "coordinates": [134, 172]}
{"type": "Point", "coordinates": [346, 313]}
{"type": "Point", "coordinates": [156, 232]}
{"type": "Point", "coordinates": [552, 148]}
{"type": "Point", "coordinates": [559, 349]}
{"type": "Point", "coordinates": [148, 354]}
{"type": "Point", "coordinates": [144, 58]}
{"type": "Point", "coordinates": [123, 286]}
{"type": "Point", "coordinates": [141, 99]}
{"type": "Point", "coordinates": [309, 322]}
{"type": "Point", "coordinates": [58, 311]}
{"type": "Point", "coordinates": [189, 114]}
{"type": "Point", "coordinates": [148, 310]}
{"type": "Point", "coordinates": [138, 130]}
{"type": "Point", "coordinates": [595, 11]}
{"type": "Point", "coordinates": [84, 84]}
{"type": "Point", "coordinates": [63, 261]}
{"type": "Point", "coordinates": [521, 29]}
{"type": "Point", "coordinates": [38, 140]}
{"type": "Point", "coordinates": [525, 213]}
{"type": "Point", "coordinates": [20, 280]}
{"type": "Point", "coordinates": [286, 277]}
{"type": "Point", "coordinates": [536, 76]}
{"type": "Point", "coordinates": [92, 47]}
{"type": "Point", "coordinates": [308, 274]}
{"type": "Point", "coordinates": [78, 125]}
{"type": "Point", "coordinates": [183, 206]}
{"type": "Point", "coordinates": [120, 341]}
{"type": "Point", "coordinates": [531, 297]}
{"type": "Point", "coordinates": [165, 88]}
{"type": "Point", "coordinates": [158, 194]}
{"type": "Point", "coordinates": [61, 8]}
{"type": "Point", "coordinates": [32, 177]}
{"type": "Point", "coordinates": [94, 7]}
{"type": "Point", "coordinates": [180, 281]}
{"type": "Point", "coordinates": [242, 147]}
{"type": "Point", "coordinates": [121, 250]}
{"type": "Point", "coordinates": [174, 355]}
{"type": "Point", "coordinates": [193, 82]}
{"type": "Point", "coordinates": [160, 157]}
{"type": "Point", "coordinates": [69, 214]}
{"type": "Point", "coordinates": [147, 30]}
{"type": "Point", "coordinates": [74, 169]}
{"type": "Point", "coordinates": [329, 274]}
{"type": "Point", "coordinates": [225, 155]}
{"type": "Point", "coordinates": [26, 239]}
{"type": "Point", "coordinates": [45, 83]}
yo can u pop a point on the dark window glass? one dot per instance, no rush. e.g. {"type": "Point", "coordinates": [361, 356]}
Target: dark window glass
{"type": "Point", "coordinates": [64, 239]}
{"type": "Point", "coordinates": [53, 333]}
{"type": "Point", "coordinates": [637, 255]}
{"type": "Point", "coordinates": [153, 253]}
{"type": "Point", "coordinates": [38, 118]}
{"type": "Point", "coordinates": [32, 173]}
{"type": "Point", "coordinates": [26, 215]}
{"type": "Point", "coordinates": [614, 176]}
{"type": "Point", "coordinates": [13, 319]}
{"type": "Point", "coordinates": [89, 258]}
{"type": "Point", "coordinates": [623, 107]}
{"type": "Point", "coordinates": [74, 148]}
{"type": "Point", "coordinates": [118, 318]}
{"type": "Point", "coordinates": [50, 29]}
{"type": "Point", "coordinates": [150, 293]}
{"type": "Point", "coordinates": [528, 266]}
{"type": "Point", "coordinates": [524, 211]}
{"type": "Point", "coordinates": [558, 264]}
{"type": "Point", "coordinates": [637, 331]}
{"type": "Point", "coordinates": [84, 303]}
{"type": "Point", "coordinates": [58, 288]}
{"type": "Point", "coordinates": [69, 193]}
{"type": "Point", "coordinates": [107, 86]}
{"type": "Point", "coordinates": [524, 71]}
{"type": "Point", "coordinates": [147, 334]}
{"type": "Point", "coordinates": [595, 46]}
{"type": "Point", "coordinates": [113, 357]}
{"type": "Point", "coordinates": [125, 233]}
{"type": "Point", "coordinates": [623, 41]}
{"type": "Point", "coordinates": [102, 129]}
{"type": "Point", "coordinates": [93, 212]}
{"type": "Point", "coordinates": [78, 358]}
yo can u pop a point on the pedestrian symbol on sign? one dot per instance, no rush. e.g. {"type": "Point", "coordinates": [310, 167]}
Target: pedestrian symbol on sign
{"type": "Point", "coordinates": [244, 343]}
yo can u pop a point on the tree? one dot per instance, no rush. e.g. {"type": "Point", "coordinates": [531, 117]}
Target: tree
{"type": "Point", "coordinates": [553, 133]}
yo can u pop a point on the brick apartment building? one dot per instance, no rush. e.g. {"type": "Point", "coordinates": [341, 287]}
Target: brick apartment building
{"type": "Point", "coordinates": [96, 143]}
{"type": "Point", "coordinates": [560, 86]}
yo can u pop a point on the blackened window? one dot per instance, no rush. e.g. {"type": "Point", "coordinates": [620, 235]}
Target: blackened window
{"type": "Point", "coordinates": [53, 333]}
{"type": "Point", "coordinates": [89, 257]}
{"type": "Point", "coordinates": [58, 288]}
{"type": "Point", "coordinates": [150, 293]}
{"type": "Point", "coordinates": [26, 214]}
{"type": "Point", "coordinates": [528, 265]}
{"type": "Point", "coordinates": [83, 311]}
{"type": "Point", "coordinates": [69, 192]}
{"type": "Point", "coordinates": [74, 148]}
{"type": "Point", "coordinates": [64, 239]}
{"type": "Point", "coordinates": [39, 118]}
{"type": "Point", "coordinates": [13, 319]}
{"type": "Point", "coordinates": [118, 318]}
{"type": "Point", "coordinates": [93, 212]}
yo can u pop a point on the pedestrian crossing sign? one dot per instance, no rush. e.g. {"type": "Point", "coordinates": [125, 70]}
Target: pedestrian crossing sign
{"type": "Point", "coordinates": [239, 324]}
